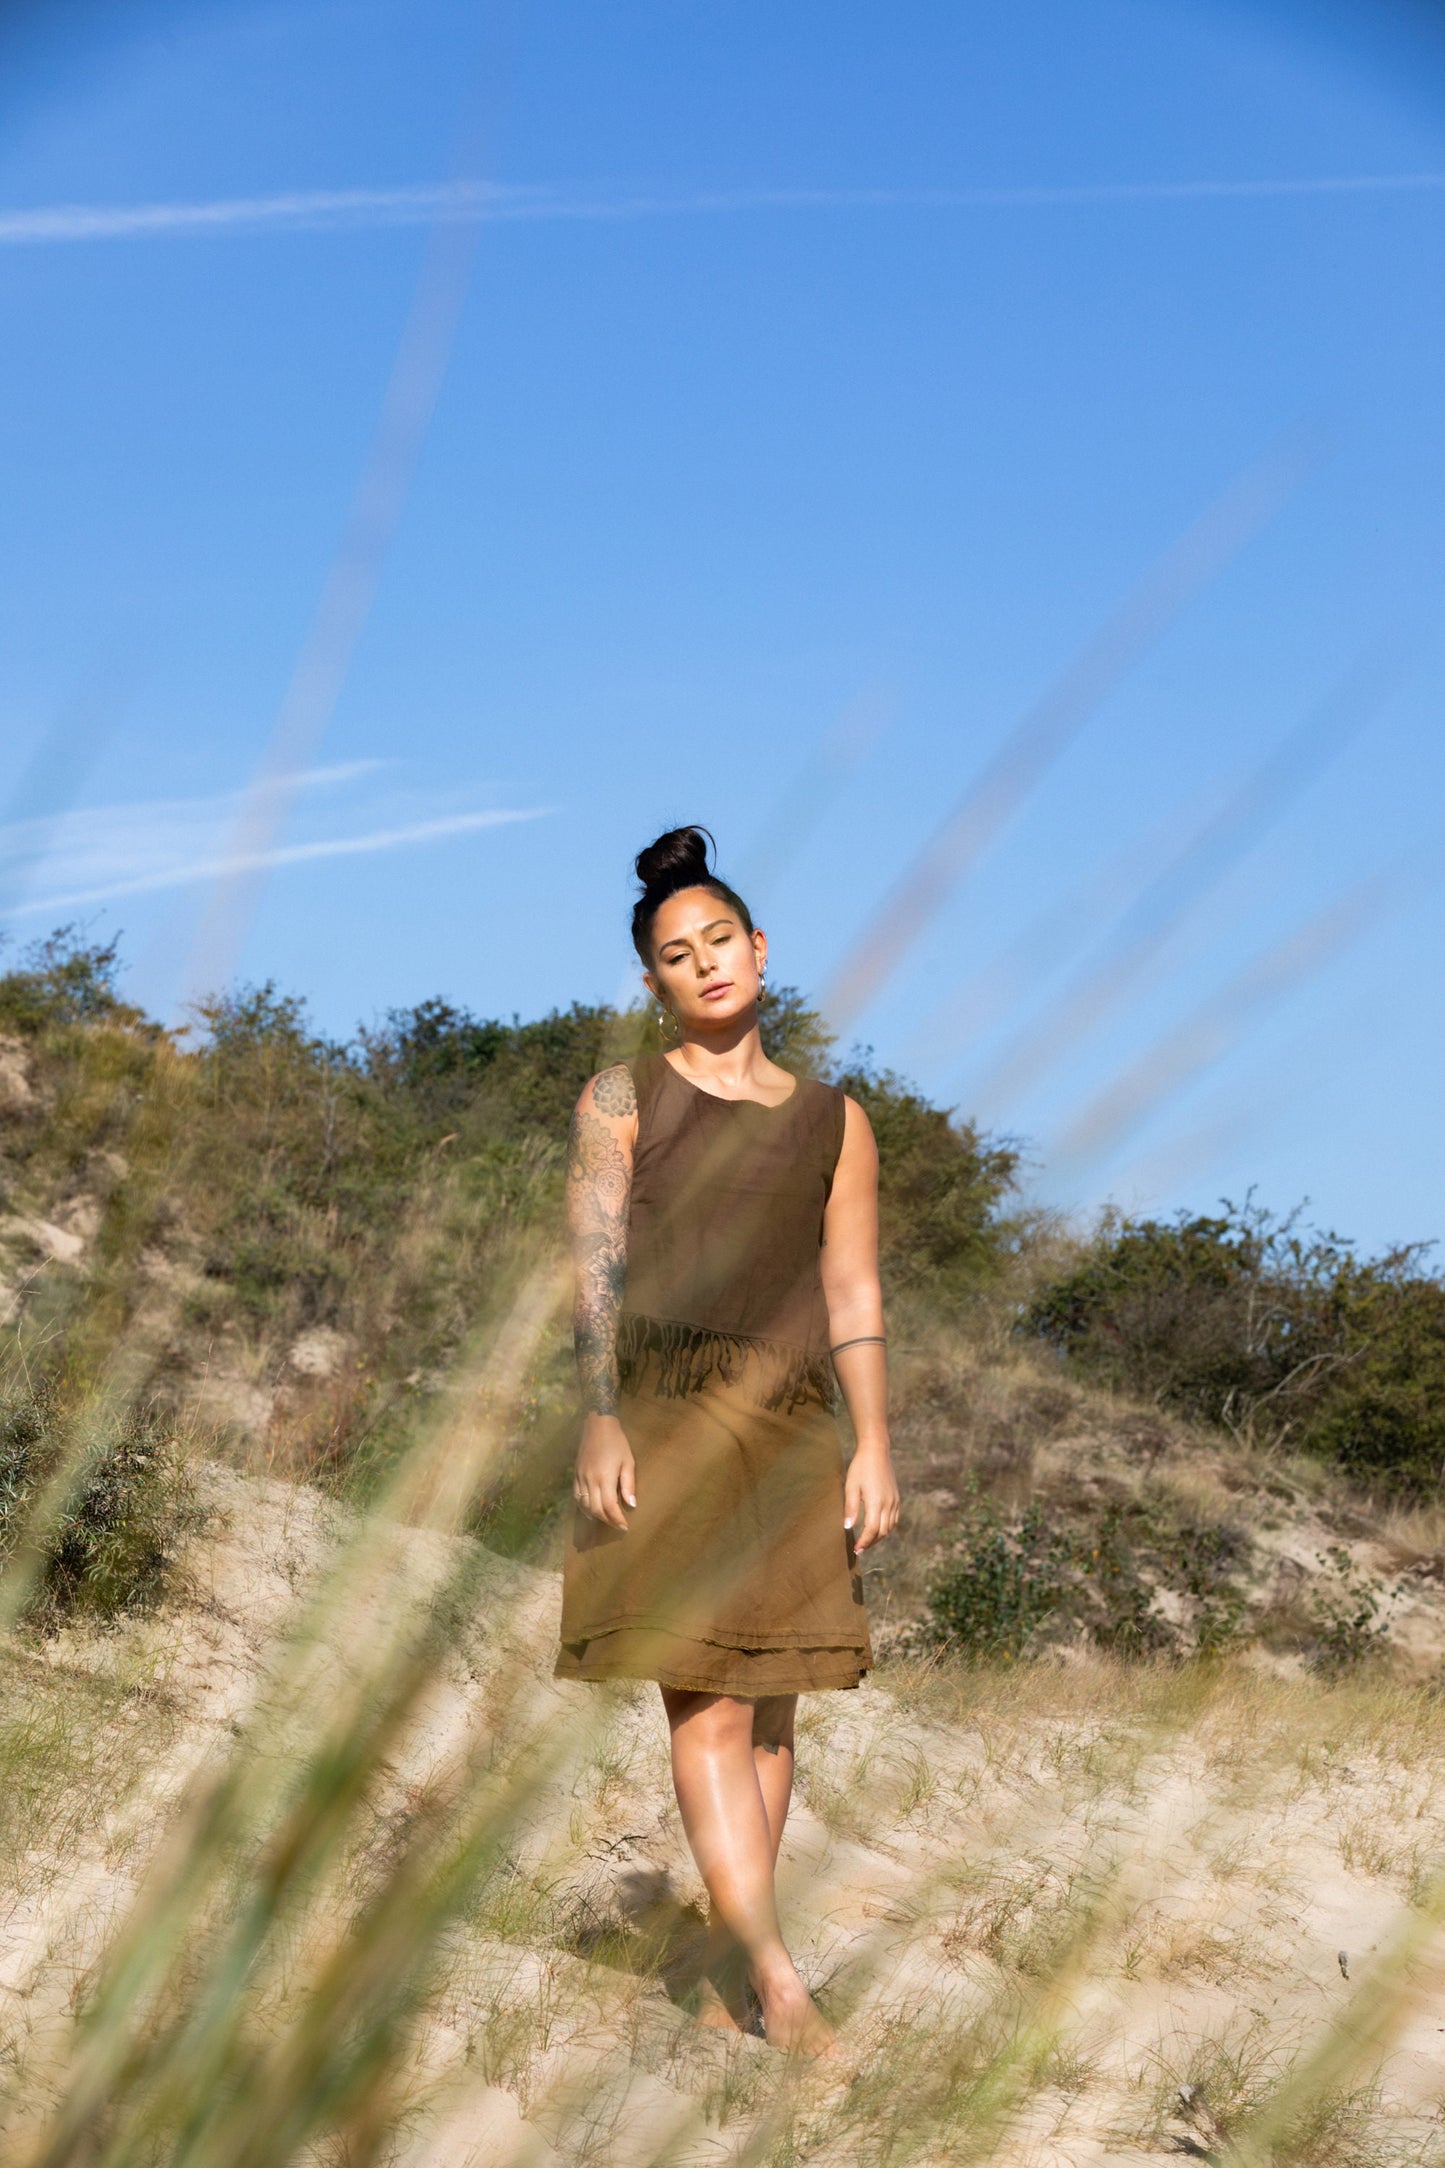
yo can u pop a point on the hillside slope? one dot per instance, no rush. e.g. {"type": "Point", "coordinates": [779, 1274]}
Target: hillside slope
{"type": "Point", "coordinates": [252, 1350]}
{"type": "Point", "coordinates": [1139, 1814]}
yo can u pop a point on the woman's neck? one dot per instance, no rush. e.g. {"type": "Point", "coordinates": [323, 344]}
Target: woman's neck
{"type": "Point", "coordinates": [731, 1057]}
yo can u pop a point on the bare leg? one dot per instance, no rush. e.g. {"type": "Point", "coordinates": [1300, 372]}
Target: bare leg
{"type": "Point", "coordinates": [725, 1800]}
{"type": "Point", "coordinates": [773, 1758]}
{"type": "Point", "coordinates": [725, 1973]}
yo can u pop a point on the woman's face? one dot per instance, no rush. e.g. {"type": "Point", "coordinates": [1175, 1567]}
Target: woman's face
{"type": "Point", "coordinates": [705, 962]}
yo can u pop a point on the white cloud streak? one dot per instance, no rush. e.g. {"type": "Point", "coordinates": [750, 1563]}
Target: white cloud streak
{"type": "Point", "coordinates": [342, 209]}
{"type": "Point", "coordinates": [288, 854]}
{"type": "Point", "coordinates": [103, 852]}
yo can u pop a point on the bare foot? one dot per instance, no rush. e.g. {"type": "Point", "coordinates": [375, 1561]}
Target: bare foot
{"type": "Point", "coordinates": [722, 1996]}
{"type": "Point", "coordinates": [712, 2010]}
{"type": "Point", "coordinates": [792, 2020]}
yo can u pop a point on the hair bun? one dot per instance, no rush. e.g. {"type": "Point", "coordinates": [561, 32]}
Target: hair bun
{"type": "Point", "coordinates": [675, 860]}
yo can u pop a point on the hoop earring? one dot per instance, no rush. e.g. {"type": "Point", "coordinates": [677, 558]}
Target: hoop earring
{"type": "Point", "coordinates": [664, 1018]}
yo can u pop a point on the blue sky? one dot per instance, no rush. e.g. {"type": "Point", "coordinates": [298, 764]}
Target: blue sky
{"type": "Point", "coordinates": [818, 384]}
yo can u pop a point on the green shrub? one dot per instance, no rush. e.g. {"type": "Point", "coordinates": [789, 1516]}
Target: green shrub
{"type": "Point", "coordinates": [256, 1020]}
{"type": "Point", "coordinates": [442, 1060]}
{"type": "Point", "coordinates": [1009, 1580]}
{"type": "Point", "coordinates": [65, 979]}
{"type": "Point", "coordinates": [1114, 1594]}
{"type": "Point", "coordinates": [1275, 1331]}
{"type": "Point", "coordinates": [131, 1505]}
{"type": "Point", "coordinates": [1014, 1577]}
{"type": "Point", "coordinates": [1206, 1559]}
{"type": "Point", "coordinates": [795, 1035]}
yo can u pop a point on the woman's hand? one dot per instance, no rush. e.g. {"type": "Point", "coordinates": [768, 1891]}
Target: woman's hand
{"type": "Point", "coordinates": [605, 1475]}
{"type": "Point", "coordinates": [870, 1495]}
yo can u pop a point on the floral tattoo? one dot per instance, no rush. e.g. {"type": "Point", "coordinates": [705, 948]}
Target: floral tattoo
{"type": "Point", "coordinates": [614, 1091]}
{"type": "Point", "coordinates": [599, 1189]}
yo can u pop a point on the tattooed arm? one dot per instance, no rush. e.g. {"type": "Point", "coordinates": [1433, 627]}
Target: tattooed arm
{"type": "Point", "coordinates": [599, 1185]}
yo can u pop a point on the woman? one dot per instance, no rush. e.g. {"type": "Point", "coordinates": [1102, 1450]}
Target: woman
{"type": "Point", "coordinates": [724, 1223]}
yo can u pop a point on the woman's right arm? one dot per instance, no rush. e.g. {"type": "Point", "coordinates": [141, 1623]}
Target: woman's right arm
{"type": "Point", "coordinates": [599, 1189]}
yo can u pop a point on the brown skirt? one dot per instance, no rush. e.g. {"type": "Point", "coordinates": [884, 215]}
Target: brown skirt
{"type": "Point", "coordinates": [735, 1574]}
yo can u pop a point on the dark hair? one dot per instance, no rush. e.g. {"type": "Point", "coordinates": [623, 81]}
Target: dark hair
{"type": "Point", "coordinates": [675, 861]}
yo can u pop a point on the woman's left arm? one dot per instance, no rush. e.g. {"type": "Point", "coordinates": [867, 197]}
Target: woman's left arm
{"type": "Point", "coordinates": [855, 1329]}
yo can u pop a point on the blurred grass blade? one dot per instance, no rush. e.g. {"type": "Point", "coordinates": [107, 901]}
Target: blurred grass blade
{"type": "Point", "coordinates": [1041, 736]}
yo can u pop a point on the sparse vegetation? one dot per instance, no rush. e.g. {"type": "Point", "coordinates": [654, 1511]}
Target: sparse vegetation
{"type": "Point", "coordinates": [66, 979]}
{"type": "Point", "coordinates": [429, 1906]}
{"type": "Point", "coordinates": [1350, 1611]}
{"type": "Point", "coordinates": [1007, 1583]}
{"type": "Point", "coordinates": [122, 1506]}
{"type": "Point", "coordinates": [1022, 1582]}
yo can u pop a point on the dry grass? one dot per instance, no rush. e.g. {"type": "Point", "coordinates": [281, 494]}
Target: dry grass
{"type": "Point", "coordinates": [1040, 1900]}
{"type": "Point", "coordinates": [75, 1742]}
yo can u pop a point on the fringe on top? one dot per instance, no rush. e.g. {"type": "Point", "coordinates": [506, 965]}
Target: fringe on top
{"type": "Point", "coordinates": [682, 1358]}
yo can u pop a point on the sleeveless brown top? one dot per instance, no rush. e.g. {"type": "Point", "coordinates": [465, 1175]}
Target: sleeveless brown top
{"type": "Point", "coordinates": [723, 1239]}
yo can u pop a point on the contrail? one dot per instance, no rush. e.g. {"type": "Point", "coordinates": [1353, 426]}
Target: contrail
{"type": "Point", "coordinates": [310, 210]}
{"type": "Point", "coordinates": [468, 202]}
{"type": "Point", "coordinates": [346, 599]}
{"type": "Point", "coordinates": [241, 863]}
{"type": "Point", "coordinates": [31, 836]}
{"type": "Point", "coordinates": [57, 768]}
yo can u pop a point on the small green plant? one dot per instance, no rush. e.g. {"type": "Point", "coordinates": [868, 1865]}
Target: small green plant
{"type": "Point", "coordinates": [1117, 1597]}
{"type": "Point", "coordinates": [1349, 1618]}
{"type": "Point", "coordinates": [1008, 1581]}
{"type": "Point", "coordinates": [1207, 1558]}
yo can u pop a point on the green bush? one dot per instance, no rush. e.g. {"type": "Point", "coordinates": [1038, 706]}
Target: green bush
{"type": "Point", "coordinates": [1007, 1582]}
{"type": "Point", "coordinates": [1275, 1331]}
{"type": "Point", "coordinates": [442, 1060]}
{"type": "Point", "coordinates": [130, 1506]}
{"type": "Point", "coordinates": [65, 979]}
{"type": "Point", "coordinates": [795, 1035]}
{"type": "Point", "coordinates": [1015, 1577]}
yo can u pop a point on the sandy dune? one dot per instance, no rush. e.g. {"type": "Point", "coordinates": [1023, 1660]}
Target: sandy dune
{"type": "Point", "coordinates": [1146, 1882]}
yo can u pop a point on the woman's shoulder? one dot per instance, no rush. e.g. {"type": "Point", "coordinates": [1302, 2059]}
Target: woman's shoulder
{"type": "Point", "coordinates": [640, 1080]}
{"type": "Point", "coordinates": [837, 1097]}
{"type": "Point", "coordinates": [623, 1088]}
{"type": "Point", "coordinates": [818, 1089]}
{"type": "Point", "coordinates": [821, 1108]}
